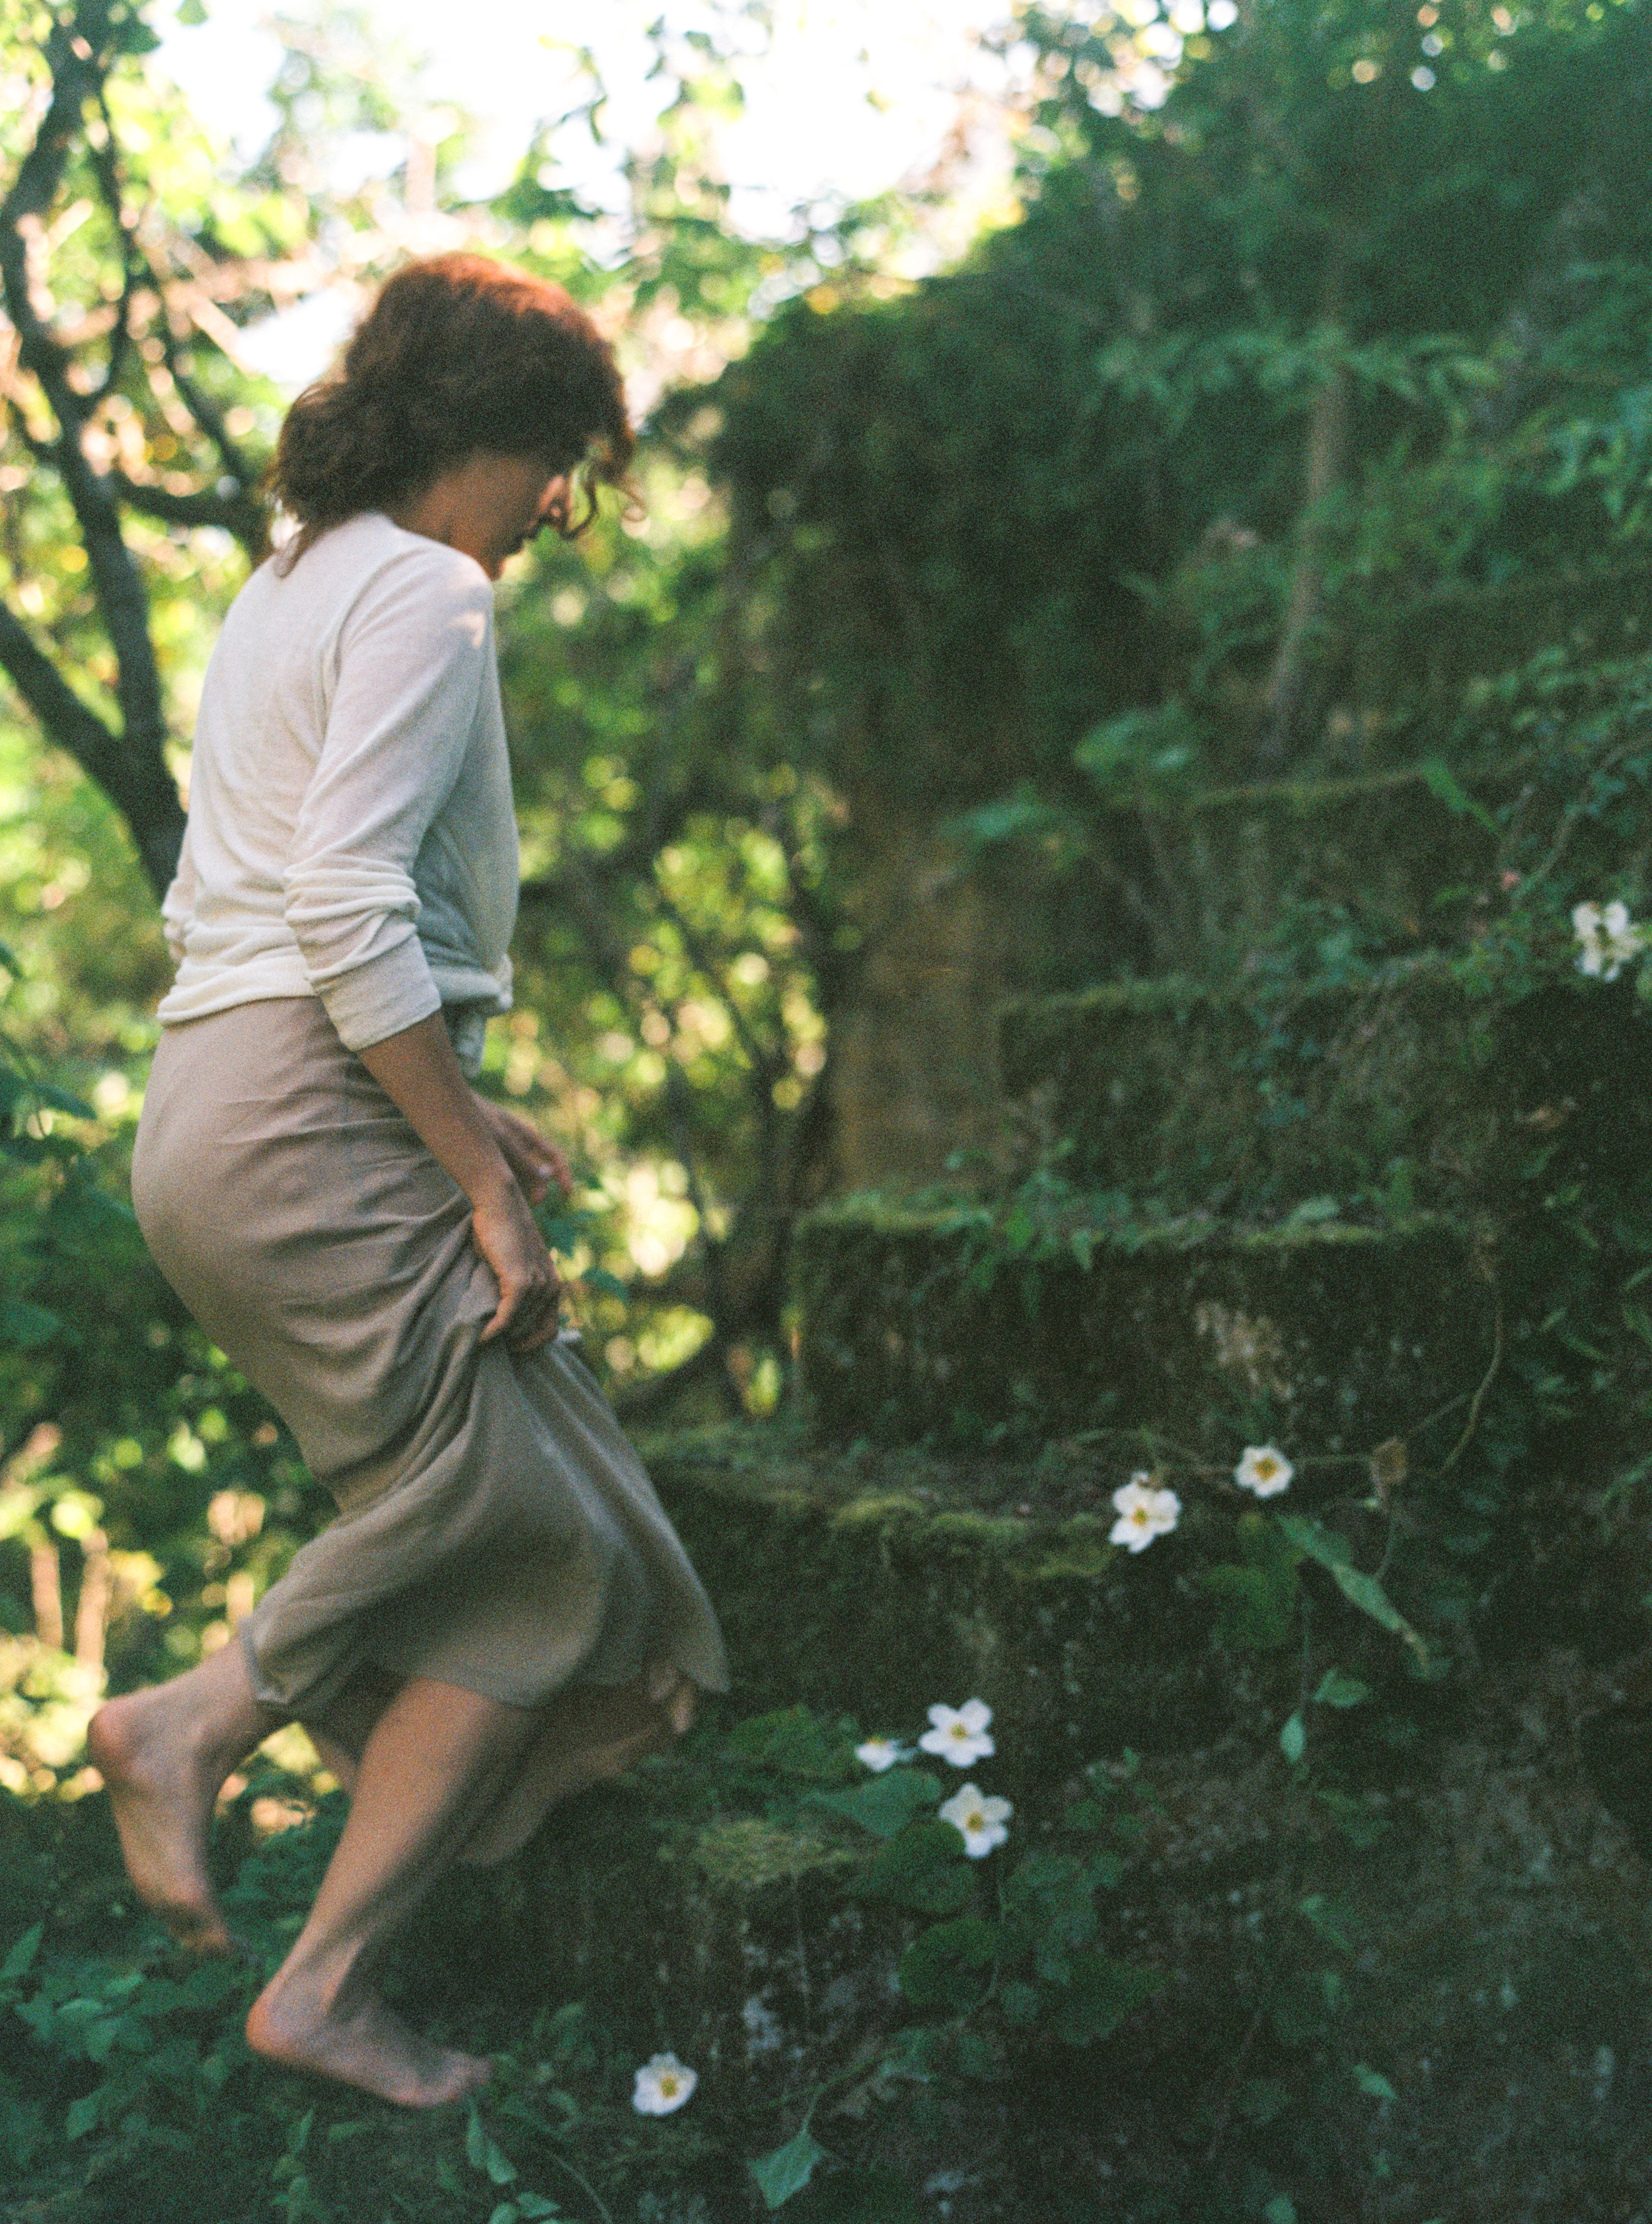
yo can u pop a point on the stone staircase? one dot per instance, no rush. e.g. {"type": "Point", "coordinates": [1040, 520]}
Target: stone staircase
{"type": "Point", "coordinates": [1276, 1222]}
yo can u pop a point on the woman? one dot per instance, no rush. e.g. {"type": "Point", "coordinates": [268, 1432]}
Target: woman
{"type": "Point", "coordinates": [502, 1612]}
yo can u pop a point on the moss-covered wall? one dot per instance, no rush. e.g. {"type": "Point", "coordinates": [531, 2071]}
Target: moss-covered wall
{"type": "Point", "coordinates": [1226, 1101]}
{"type": "Point", "coordinates": [1334, 1335]}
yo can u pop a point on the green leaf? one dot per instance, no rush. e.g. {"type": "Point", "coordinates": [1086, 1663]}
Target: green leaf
{"type": "Point", "coordinates": [482, 2154]}
{"type": "Point", "coordinates": [1281, 2209]}
{"type": "Point", "coordinates": [921, 1867]}
{"type": "Point", "coordinates": [191, 13]}
{"type": "Point", "coordinates": [1330, 1918]}
{"type": "Point", "coordinates": [1373, 2083]}
{"type": "Point", "coordinates": [1336, 1690]}
{"type": "Point", "coordinates": [788, 2170]}
{"type": "Point", "coordinates": [82, 2117]}
{"type": "Point", "coordinates": [20, 1957]}
{"type": "Point", "coordinates": [885, 1804]}
{"type": "Point", "coordinates": [1357, 1823]}
{"type": "Point", "coordinates": [1441, 780]}
{"type": "Point", "coordinates": [535, 2205]}
{"type": "Point", "coordinates": [1362, 1590]}
{"type": "Point", "coordinates": [942, 1968]}
{"type": "Point", "coordinates": [1256, 1600]}
{"type": "Point", "coordinates": [27, 1326]}
{"type": "Point", "coordinates": [1052, 1895]}
{"type": "Point", "coordinates": [1098, 1995]}
{"type": "Point", "coordinates": [793, 1741]}
{"type": "Point", "coordinates": [506, 2213]}
{"type": "Point", "coordinates": [1293, 1739]}
{"type": "Point", "coordinates": [60, 1100]}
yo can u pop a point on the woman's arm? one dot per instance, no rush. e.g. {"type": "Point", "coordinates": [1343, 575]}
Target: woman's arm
{"type": "Point", "coordinates": [418, 1071]}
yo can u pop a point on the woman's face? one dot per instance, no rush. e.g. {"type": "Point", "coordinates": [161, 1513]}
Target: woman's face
{"type": "Point", "coordinates": [490, 505]}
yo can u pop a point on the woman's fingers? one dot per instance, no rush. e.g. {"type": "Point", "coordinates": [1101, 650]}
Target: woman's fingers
{"type": "Point", "coordinates": [530, 1287]}
{"type": "Point", "coordinates": [535, 1162]}
{"type": "Point", "coordinates": [525, 1316]}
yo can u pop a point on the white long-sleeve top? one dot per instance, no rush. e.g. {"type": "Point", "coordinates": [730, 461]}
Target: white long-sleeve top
{"type": "Point", "coordinates": [352, 834]}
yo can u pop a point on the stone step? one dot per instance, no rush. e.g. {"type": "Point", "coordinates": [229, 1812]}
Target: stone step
{"type": "Point", "coordinates": [882, 1580]}
{"type": "Point", "coordinates": [1326, 1335]}
{"type": "Point", "coordinates": [1407, 1083]}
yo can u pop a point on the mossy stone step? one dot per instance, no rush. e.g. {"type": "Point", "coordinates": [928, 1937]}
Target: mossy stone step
{"type": "Point", "coordinates": [881, 1580]}
{"type": "Point", "coordinates": [1406, 1080]}
{"type": "Point", "coordinates": [1326, 1336]}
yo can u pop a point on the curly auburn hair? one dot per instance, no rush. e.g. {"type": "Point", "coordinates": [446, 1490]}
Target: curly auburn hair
{"type": "Point", "coordinates": [458, 353]}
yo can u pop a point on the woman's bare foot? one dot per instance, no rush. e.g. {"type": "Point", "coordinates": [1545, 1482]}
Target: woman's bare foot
{"type": "Point", "coordinates": [162, 1792]}
{"type": "Point", "coordinates": [163, 1752]}
{"type": "Point", "coordinates": [360, 2043]}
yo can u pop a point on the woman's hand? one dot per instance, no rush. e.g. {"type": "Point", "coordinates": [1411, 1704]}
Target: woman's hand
{"type": "Point", "coordinates": [530, 1290]}
{"type": "Point", "coordinates": [535, 1163]}
{"type": "Point", "coordinates": [501, 1165]}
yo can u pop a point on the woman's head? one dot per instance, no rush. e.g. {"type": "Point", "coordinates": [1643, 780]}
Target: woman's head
{"type": "Point", "coordinates": [457, 356]}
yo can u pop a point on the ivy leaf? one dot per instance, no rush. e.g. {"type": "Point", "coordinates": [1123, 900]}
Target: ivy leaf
{"type": "Point", "coordinates": [945, 1967]}
{"type": "Point", "coordinates": [788, 2170]}
{"type": "Point", "coordinates": [921, 1868]}
{"type": "Point", "coordinates": [793, 1741]}
{"type": "Point", "coordinates": [1372, 2082]}
{"type": "Point", "coordinates": [886, 1804]}
{"type": "Point", "coordinates": [1293, 1739]}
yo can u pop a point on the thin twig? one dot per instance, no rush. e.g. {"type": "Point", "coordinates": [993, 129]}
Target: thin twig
{"type": "Point", "coordinates": [1486, 1380]}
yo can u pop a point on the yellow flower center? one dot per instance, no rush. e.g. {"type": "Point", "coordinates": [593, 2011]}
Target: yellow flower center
{"type": "Point", "coordinates": [975, 1822]}
{"type": "Point", "coordinates": [668, 2087]}
{"type": "Point", "coordinates": [1142, 1517]}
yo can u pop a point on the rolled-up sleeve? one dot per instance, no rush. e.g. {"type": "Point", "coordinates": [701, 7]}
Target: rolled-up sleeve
{"type": "Point", "coordinates": [413, 657]}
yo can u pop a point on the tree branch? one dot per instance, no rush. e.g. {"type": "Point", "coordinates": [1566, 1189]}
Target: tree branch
{"type": "Point", "coordinates": [133, 769]}
{"type": "Point", "coordinates": [149, 804]}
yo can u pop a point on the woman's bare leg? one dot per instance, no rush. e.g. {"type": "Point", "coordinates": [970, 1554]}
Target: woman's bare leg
{"type": "Point", "coordinates": [163, 1753]}
{"type": "Point", "coordinates": [587, 1735]}
{"type": "Point", "coordinates": [433, 1764]}
{"type": "Point", "coordinates": [341, 1739]}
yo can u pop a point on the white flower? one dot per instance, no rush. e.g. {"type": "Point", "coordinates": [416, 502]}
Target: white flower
{"type": "Point", "coordinates": [662, 2084]}
{"type": "Point", "coordinates": [1609, 938]}
{"type": "Point", "coordinates": [1585, 925]}
{"type": "Point", "coordinates": [1144, 1514]}
{"type": "Point", "coordinates": [1264, 1471]}
{"type": "Point", "coordinates": [979, 1820]}
{"type": "Point", "coordinates": [879, 1753]}
{"type": "Point", "coordinates": [960, 1732]}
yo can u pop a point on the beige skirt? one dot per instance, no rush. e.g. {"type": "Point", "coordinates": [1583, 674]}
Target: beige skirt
{"type": "Point", "coordinates": [495, 1529]}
